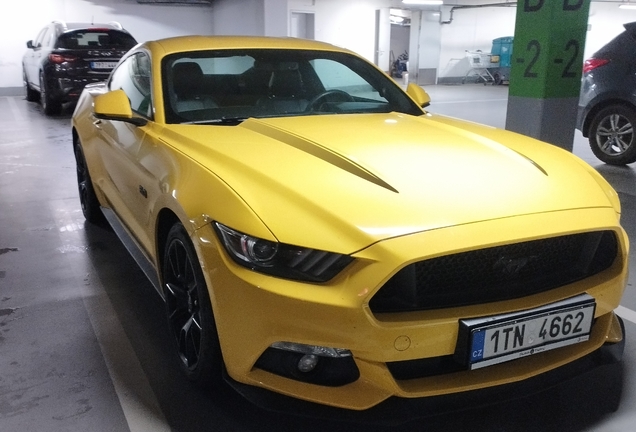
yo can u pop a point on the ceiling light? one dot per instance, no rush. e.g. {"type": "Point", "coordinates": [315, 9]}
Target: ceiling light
{"type": "Point", "coordinates": [423, 2]}
{"type": "Point", "coordinates": [627, 6]}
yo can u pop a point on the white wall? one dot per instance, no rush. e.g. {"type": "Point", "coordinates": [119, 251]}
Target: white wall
{"type": "Point", "coordinates": [238, 17]}
{"type": "Point", "coordinates": [349, 24]}
{"type": "Point", "coordinates": [25, 18]}
{"type": "Point", "coordinates": [276, 18]}
{"type": "Point", "coordinates": [430, 48]}
{"type": "Point", "coordinates": [471, 30]}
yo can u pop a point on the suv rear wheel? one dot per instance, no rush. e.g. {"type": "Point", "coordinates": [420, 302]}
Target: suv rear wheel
{"type": "Point", "coordinates": [612, 135]}
{"type": "Point", "coordinates": [50, 105]}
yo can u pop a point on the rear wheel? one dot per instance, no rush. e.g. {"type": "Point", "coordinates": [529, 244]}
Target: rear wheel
{"type": "Point", "coordinates": [50, 105]}
{"type": "Point", "coordinates": [612, 135]}
{"type": "Point", "coordinates": [189, 310]}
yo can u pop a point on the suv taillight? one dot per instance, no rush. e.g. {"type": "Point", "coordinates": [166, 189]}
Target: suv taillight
{"type": "Point", "coordinates": [61, 58]}
{"type": "Point", "coordinates": [592, 63]}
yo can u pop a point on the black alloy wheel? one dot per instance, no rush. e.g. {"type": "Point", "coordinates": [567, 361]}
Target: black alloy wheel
{"type": "Point", "coordinates": [88, 200]}
{"type": "Point", "coordinates": [189, 310]}
{"type": "Point", "coordinates": [612, 135]}
{"type": "Point", "coordinates": [49, 105]}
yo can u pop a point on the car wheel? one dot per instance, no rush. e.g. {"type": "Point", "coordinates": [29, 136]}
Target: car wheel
{"type": "Point", "coordinates": [612, 135]}
{"type": "Point", "coordinates": [50, 105]}
{"type": "Point", "coordinates": [31, 95]}
{"type": "Point", "coordinates": [189, 310]}
{"type": "Point", "coordinates": [88, 199]}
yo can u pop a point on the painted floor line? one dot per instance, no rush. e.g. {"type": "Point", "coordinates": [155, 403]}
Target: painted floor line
{"type": "Point", "coordinates": [627, 314]}
{"type": "Point", "coordinates": [13, 107]}
{"type": "Point", "coordinates": [136, 398]}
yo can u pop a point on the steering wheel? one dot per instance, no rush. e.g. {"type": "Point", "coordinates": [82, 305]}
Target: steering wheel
{"type": "Point", "coordinates": [321, 98]}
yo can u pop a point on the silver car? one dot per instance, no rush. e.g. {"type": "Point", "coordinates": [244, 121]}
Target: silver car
{"type": "Point", "coordinates": [607, 104]}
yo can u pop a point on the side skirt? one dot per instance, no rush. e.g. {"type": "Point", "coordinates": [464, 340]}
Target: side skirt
{"type": "Point", "coordinates": [134, 249]}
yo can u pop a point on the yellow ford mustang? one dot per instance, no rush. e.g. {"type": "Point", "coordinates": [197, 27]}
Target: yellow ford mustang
{"type": "Point", "coordinates": [316, 234]}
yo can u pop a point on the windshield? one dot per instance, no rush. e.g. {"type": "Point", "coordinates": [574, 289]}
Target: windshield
{"type": "Point", "coordinates": [229, 86]}
{"type": "Point", "coordinates": [96, 38]}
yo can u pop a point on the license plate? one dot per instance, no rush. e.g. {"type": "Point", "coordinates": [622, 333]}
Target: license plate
{"type": "Point", "coordinates": [502, 338]}
{"type": "Point", "coordinates": [103, 65]}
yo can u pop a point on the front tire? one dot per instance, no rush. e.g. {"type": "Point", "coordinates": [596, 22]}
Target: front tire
{"type": "Point", "coordinates": [612, 137]}
{"type": "Point", "coordinates": [189, 311]}
{"type": "Point", "coordinates": [88, 200]}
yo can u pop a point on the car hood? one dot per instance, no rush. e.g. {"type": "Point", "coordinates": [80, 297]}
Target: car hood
{"type": "Point", "coordinates": [342, 182]}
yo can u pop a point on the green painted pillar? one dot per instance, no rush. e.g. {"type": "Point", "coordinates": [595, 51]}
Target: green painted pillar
{"type": "Point", "coordinates": [545, 76]}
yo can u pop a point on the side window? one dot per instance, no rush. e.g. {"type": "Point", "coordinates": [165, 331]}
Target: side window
{"type": "Point", "coordinates": [337, 76]}
{"type": "Point", "coordinates": [133, 77]}
{"type": "Point", "coordinates": [38, 40]}
{"type": "Point", "coordinates": [49, 38]}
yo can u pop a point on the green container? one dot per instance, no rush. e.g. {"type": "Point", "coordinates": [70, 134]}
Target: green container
{"type": "Point", "coordinates": [502, 47]}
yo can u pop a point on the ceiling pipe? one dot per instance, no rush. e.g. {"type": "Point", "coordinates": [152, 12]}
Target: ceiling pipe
{"type": "Point", "coordinates": [452, 10]}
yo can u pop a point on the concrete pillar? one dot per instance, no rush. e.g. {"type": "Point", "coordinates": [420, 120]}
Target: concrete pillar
{"type": "Point", "coordinates": [547, 61]}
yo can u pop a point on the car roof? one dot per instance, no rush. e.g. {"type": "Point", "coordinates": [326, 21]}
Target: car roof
{"type": "Point", "coordinates": [622, 46]}
{"type": "Point", "coordinates": [70, 26]}
{"type": "Point", "coordinates": [197, 43]}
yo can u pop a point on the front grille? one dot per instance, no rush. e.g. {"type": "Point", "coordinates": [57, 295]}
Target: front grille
{"type": "Point", "coordinates": [497, 273]}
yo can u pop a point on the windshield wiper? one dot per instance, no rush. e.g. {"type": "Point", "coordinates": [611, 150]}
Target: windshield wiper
{"type": "Point", "coordinates": [222, 121]}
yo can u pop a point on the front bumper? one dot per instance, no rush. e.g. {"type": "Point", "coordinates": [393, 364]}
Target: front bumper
{"type": "Point", "coordinates": [253, 311]}
{"type": "Point", "coordinates": [602, 367]}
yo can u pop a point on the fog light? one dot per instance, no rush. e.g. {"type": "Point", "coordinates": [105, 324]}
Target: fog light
{"type": "Point", "coordinates": [310, 363]}
{"type": "Point", "coordinates": [312, 349]}
{"type": "Point", "coordinates": [307, 363]}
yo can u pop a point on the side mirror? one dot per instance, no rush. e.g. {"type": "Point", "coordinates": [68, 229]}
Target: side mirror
{"type": "Point", "coordinates": [115, 105]}
{"type": "Point", "coordinates": [418, 94]}
{"type": "Point", "coordinates": [30, 44]}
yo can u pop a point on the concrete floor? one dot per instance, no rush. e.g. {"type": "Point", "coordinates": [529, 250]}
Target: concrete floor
{"type": "Point", "coordinates": [84, 347]}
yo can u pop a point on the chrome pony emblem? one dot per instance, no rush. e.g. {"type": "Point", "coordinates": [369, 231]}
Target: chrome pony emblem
{"type": "Point", "coordinates": [513, 266]}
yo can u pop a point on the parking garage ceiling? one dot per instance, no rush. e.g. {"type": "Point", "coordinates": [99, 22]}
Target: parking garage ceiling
{"type": "Point", "coordinates": [185, 2]}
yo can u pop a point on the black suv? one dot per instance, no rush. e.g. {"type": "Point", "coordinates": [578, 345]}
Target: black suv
{"type": "Point", "coordinates": [66, 56]}
{"type": "Point", "coordinates": [607, 104]}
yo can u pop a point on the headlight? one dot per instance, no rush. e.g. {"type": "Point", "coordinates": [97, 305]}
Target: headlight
{"type": "Point", "coordinates": [279, 259]}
